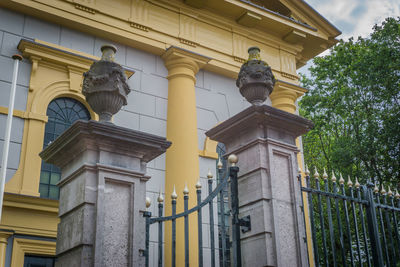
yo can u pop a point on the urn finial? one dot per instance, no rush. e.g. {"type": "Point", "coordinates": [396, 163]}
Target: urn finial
{"type": "Point", "coordinates": [108, 52]}
{"type": "Point", "coordinates": [255, 79]}
{"type": "Point", "coordinates": [105, 85]}
{"type": "Point", "coordinates": [254, 53]}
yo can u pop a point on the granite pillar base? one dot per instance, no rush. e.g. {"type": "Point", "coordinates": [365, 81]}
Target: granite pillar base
{"type": "Point", "coordinates": [102, 193]}
{"type": "Point", "coordinates": [264, 138]}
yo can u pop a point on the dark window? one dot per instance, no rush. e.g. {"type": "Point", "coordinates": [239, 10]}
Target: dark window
{"type": "Point", "coordinates": [38, 261]}
{"type": "Point", "coordinates": [62, 113]}
{"type": "Point", "coordinates": [225, 215]}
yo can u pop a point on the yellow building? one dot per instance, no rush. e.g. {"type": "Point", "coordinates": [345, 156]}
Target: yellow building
{"type": "Point", "coordinates": [182, 58]}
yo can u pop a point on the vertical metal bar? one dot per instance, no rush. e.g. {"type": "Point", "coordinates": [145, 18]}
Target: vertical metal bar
{"type": "Point", "coordinates": [299, 177]}
{"type": "Point", "coordinates": [160, 235]}
{"type": "Point", "coordinates": [330, 223]}
{"type": "Point", "coordinates": [200, 226]}
{"type": "Point", "coordinates": [382, 229]}
{"type": "Point", "coordinates": [389, 226]}
{"type": "Point", "coordinates": [321, 220]}
{"type": "Point", "coordinates": [186, 219]}
{"type": "Point", "coordinates": [211, 211]}
{"type": "Point", "coordinates": [173, 256]}
{"type": "Point", "coordinates": [147, 215]}
{"type": "Point", "coordinates": [364, 231]}
{"type": "Point", "coordinates": [236, 252]}
{"type": "Point", "coordinates": [376, 248]}
{"type": "Point", "coordinates": [346, 214]}
{"type": "Point", "coordinates": [343, 252]}
{"type": "Point", "coordinates": [355, 225]}
{"type": "Point", "coordinates": [396, 226]}
{"type": "Point", "coordinates": [222, 212]}
{"type": "Point", "coordinates": [313, 230]}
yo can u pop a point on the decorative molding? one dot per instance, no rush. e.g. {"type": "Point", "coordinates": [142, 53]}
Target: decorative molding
{"type": "Point", "coordinates": [187, 30]}
{"type": "Point", "coordinates": [240, 46]}
{"type": "Point", "coordinates": [84, 8]}
{"type": "Point", "coordinates": [139, 15]}
{"type": "Point", "coordinates": [139, 26]}
{"type": "Point", "coordinates": [85, 5]}
{"type": "Point", "coordinates": [211, 30]}
{"type": "Point", "coordinates": [289, 76]}
{"type": "Point", "coordinates": [30, 203]}
{"type": "Point", "coordinates": [210, 149]}
{"type": "Point", "coordinates": [187, 42]}
{"type": "Point", "coordinates": [240, 60]}
{"type": "Point", "coordinates": [23, 246]}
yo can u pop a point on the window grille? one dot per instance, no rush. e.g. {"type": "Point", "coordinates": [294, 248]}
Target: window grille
{"type": "Point", "coordinates": [62, 113]}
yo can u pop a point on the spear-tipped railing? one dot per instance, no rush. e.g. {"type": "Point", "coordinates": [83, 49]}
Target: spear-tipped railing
{"type": "Point", "coordinates": [352, 224]}
{"type": "Point", "coordinates": [230, 177]}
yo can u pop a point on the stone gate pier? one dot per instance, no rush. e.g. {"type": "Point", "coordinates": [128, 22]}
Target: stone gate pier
{"type": "Point", "coordinates": [264, 139]}
{"type": "Point", "coordinates": [102, 193]}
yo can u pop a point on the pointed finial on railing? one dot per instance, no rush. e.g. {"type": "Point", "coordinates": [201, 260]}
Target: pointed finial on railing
{"type": "Point", "coordinates": [357, 185]}
{"type": "Point", "coordinates": [219, 164]}
{"type": "Point", "coordinates": [390, 193]}
{"type": "Point", "coordinates": [198, 185]}
{"type": "Point", "coordinates": [186, 190]}
{"type": "Point", "coordinates": [376, 189]}
{"type": "Point", "coordinates": [209, 174]}
{"type": "Point", "coordinates": [341, 180]}
{"type": "Point", "coordinates": [316, 174]}
{"type": "Point", "coordinates": [232, 159]}
{"type": "Point", "coordinates": [325, 175]}
{"type": "Point", "coordinates": [307, 171]}
{"type": "Point", "coordinates": [383, 191]}
{"type": "Point", "coordinates": [174, 195]}
{"type": "Point", "coordinates": [397, 195]}
{"type": "Point", "coordinates": [333, 177]}
{"type": "Point", "coordinates": [160, 197]}
{"type": "Point", "coordinates": [349, 182]}
{"type": "Point", "coordinates": [148, 202]}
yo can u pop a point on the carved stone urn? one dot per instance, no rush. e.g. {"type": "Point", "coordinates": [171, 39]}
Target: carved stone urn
{"type": "Point", "coordinates": [105, 85]}
{"type": "Point", "coordinates": [255, 79]}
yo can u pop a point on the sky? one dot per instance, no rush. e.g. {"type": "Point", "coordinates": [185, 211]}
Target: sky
{"type": "Point", "coordinates": [354, 17]}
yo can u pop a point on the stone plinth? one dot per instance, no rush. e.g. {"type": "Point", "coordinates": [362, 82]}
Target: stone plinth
{"type": "Point", "coordinates": [102, 193]}
{"type": "Point", "coordinates": [264, 139]}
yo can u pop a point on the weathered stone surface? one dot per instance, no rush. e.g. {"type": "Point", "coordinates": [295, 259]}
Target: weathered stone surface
{"type": "Point", "coordinates": [255, 79]}
{"type": "Point", "coordinates": [102, 193]}
{"type": "Point", "coordinates": [263, 138]}
{"type": "Point", "coordinates": [105, 85]}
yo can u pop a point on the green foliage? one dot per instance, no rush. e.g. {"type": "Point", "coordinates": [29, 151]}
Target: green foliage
{"type": "Point", "coordinates": [354, 101]}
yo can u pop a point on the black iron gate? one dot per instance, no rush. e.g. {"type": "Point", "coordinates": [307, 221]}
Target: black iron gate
{"type": "Point", "coordinates": [229, 180]}
{"type": "Point", "coordinates": [353, 225]}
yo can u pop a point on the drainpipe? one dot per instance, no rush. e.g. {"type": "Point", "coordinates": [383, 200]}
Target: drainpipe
{"type": "Point", "coordinates": [6, 146]}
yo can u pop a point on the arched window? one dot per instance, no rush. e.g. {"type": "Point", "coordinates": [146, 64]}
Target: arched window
{"type": "Point", "coordinates": [62, 113]}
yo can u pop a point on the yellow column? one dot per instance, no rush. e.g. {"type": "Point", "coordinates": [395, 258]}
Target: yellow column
{"type": "Point", "coordinates": [284, 97]}
{"type": "Point", "coordinates": [3, 247]}
{"type": "Point", "coordinates": [182, 162]}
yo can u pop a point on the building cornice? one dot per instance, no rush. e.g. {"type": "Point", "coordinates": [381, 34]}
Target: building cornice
{"type": "Point", "coordinates": [155, 25]}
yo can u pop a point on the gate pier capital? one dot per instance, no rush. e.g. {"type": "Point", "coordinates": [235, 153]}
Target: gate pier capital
{"type": "Point", "coordinates": [102, 193]}
{"type": "Point", "coordinates": [264, 139]}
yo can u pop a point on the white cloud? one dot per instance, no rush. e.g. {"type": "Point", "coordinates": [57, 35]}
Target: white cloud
{"type": "Point", "coordinates": [376, 12]}
{"type": "Point", "coordinates": [354, 17]}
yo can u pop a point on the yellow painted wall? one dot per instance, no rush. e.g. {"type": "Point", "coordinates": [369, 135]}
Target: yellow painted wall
{"type": "Point", "coordinates": [152, 26]}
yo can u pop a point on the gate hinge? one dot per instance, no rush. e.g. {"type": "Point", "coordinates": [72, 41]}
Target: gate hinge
{"type": "Point", "coordinates": [245, 224]}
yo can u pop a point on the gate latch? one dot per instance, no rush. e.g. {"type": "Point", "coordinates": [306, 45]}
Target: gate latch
{"type": "Point", "coordinates": [245, 224]}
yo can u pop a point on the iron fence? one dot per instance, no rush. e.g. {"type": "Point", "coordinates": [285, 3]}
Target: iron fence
{"type": "Point", "coordinates": [352, 225]}
{"type": "Point", "coordinates": [228, 179]}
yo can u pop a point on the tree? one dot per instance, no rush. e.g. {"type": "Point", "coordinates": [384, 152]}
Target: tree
{"type": "Point", "coordinates": [354, 101]}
